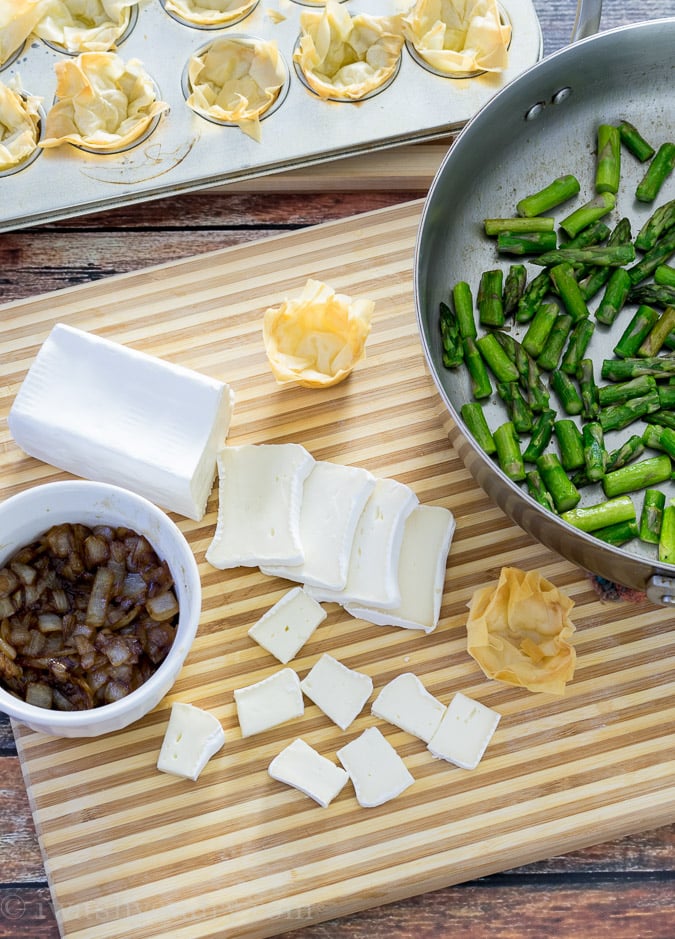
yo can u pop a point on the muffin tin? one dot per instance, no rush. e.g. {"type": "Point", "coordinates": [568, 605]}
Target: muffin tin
{"type": "Point", "coordinates": [185, 151]}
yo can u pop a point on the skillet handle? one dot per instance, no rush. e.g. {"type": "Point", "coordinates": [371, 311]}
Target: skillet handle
{"type": "Point", "coordinates": [587, 20]}
{"type": "Point", "coordinates": [661, 590]}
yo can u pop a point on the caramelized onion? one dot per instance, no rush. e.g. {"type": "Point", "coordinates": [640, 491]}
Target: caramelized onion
{"type": "Point", "coordinates": [86, 616]}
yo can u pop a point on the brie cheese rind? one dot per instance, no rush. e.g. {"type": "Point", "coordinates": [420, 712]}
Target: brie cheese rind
{"type": "Point", "coordinates": [333, 499]}
{"type": "Point", "coordinates": [19, 126]}
{"type": "Point", "coordinates": [18, 19]}
{"type": "Point", "coordinates": [375, 768]}
{"type": "Point", "coordinates": [236, 80]}
{"type": "Point", "coordinates": [316, 338]}
{"type": "Point", "coordinates": [406, 703]}
{"type": "Point", "coordinates": [459, 37]}
{"type": "Point", "coordinates": [84, 25]}
{"type": "Point", "coordinates": [103, 103]}
{"type": "Point", "coordinates": [372, 577]}
{"type": "Point", "coordinates": [340, 692]}
{"type": "Point", "coordinates": [464, 732]}
{"type": "Point", "coordinates": [103, 411]}
{"type": "Point", "coordinates": [421, 572]}
{"type": "Point", "coordinates": [300, 766]}
{"type": "Point", "coordinates": [285, 628]}
{"type": "Point", "coordinates": [347, 57]}
{"type": "Point", "coordinates": [259, 497]}
{"type": "Point", "coordinates": [191, 738]}
{"type": "Point", "coordinates": [269, 702]}
{"type": "Point", "coordinates": [210, 12]}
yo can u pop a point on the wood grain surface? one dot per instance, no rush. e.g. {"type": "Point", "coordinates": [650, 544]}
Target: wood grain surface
{"type": "Point", "coordinates": [622, 888]}
{"type": "Point", "coordinates": [129, 851]}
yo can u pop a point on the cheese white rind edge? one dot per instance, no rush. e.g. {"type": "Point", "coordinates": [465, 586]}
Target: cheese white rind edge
{"type": "Point", "coordinates": [368, 759]}
{"type": "Point", "coordinates": [304, 768]}
{"type": "Point", "coordinates": [269, 702]}
{"type": "Point", "coordinates": [189, 729]}
{"type": "Point", "coordinates": [291, 597]}
{"type": "Point", "coordinates": [411, 697]}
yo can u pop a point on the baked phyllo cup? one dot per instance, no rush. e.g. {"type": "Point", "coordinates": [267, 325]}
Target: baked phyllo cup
{"type": "Point", "coordinates": [237, 81]}
{"type": "Point", "coordinates": [458, 38]}
{"type": "Point", "coordinates": [76, 26]}
{"type": "Point", "coordinates": [103, 104]}
{"type": "Point", "coordinates": [209, 14]}
{"type": "Point", "coordinates": [18, 19]}
{"type": "Point", "coordinates": [20, 122]}
{"type": "Point", "coordinates": [345, 58]}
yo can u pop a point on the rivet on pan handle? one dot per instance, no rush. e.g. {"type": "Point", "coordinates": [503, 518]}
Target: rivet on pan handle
{"type": "Point", "coordinates": [661, 590]}
{"type": "Point", "coordinates": [587, 20]}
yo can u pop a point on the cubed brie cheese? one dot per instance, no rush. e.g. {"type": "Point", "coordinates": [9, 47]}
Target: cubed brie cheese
{"type": "Point", "coordinates": [269, 702]}
{"type": "Point", "coordinates": [340, 692]}
{"type": "Point", "coordinates": [407, 704]}
{"type": "Point", "coordinates": [300, 766]}
{"type": "Point", "coordinates": [372, 578]}
{"type": "Point", "coordinates": [464, 733]}
{"type": "Point", "coordinates": [375, 768]}
{"type": "Point", "coordinates": [421, 572]}
{"type": "Point", "coordinates": [260, 493]}
{"type": "Point", "coordinates": [285, 628]}
{"type": "Point", "coordinates": [332, 502]}
{"type": "Point", "coordinates": [192, 737]}
{"type": "Point", "coordinates": [110, 413]}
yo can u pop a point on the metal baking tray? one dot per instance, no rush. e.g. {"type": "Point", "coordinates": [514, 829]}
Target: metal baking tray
{"type": "Point", "coordinates": [186, 152]}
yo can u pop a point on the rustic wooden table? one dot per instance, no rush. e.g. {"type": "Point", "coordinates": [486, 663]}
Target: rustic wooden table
{"type": "Point", "coordinates": [620, 889]}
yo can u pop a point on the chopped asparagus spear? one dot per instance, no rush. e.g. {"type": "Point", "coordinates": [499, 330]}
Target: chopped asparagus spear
{"type": "Point", "coordinates": [618, 416]}
{"type": "Point", "coordinates": [615, 296]}
{"type": "Point", "coordinates": [570, 443]}
{"type": "Point", "coordinates": [623, 369]}
{"type": "Point", "coordinates": [452, 343]}
{"type": "Point", "coordinates": [589, 518]}
{"type": "Point", "coordinates": [496, 359]}
{"type": "Point", "coordinates": [542, 430]}
{"type": "Point", "coordinates": [664, 275]}
{"type": "Point", "coordinates": [660, 168]}
{"type": "Point", "coordinates": [658, 334]}
{"type": "Point", "coordinates": [667, 535]}
{"type": "Point", "coordinates": [532, 296]}
{"type": "Point", "coordinates": [557, 192]}
{"type": "Point", "coordinates": [641, 475]}
{"type": "Point", "coordinates": [657, 294]}
{"type": "Point", "coordinates": [555, 343]}
{"type": "Point", "coordinates": [651, 516]}
{"type": "Point", "coordinates": [463, 301]}
{"type": "Point", "coordinates": [595, 455]}
{"type": "Point", "coordinates": [538, 331]}
{"type": "Point", "coordinates": [659, 254]}
{"type": "Point", "coordinates": [660, 221]}
{"type": "Point", "coordinates": [658, 437]}
{"type": "Point", "coordinates": [564, 493]}
{"type": "Point", "coordinates": [633, 140]}
{"type": "Point", "coordinates": [517, 407]}
{"type": "Point", "coordinates": [535, 242]}
{"type": "Point", "coordinates": [514, 285]}
{"type": "Point", "coordinates": [588, 213]}
{"type": "Point", "coordinates": [604, 255]}
{"type": "Point", "coordinates": [508, 452]}
{"type": "Point", "coordinates": [630, 450]}
{"type": "Point", "coordinates": [493, 226]}
{"type": "Point", "coordinates": [588, 390]}
{"type": "Point", "coordinates": [608, 166]}
{"type": "Point", "coordinates": [567, 392]}
{"type": "Point", "coordinates": [619, 533]}
{"type": "Point", "coordinates": [576, 347]}
{"type": "Point", "coordinates": [473, 416]}
{"type": "Point", "coordinates": [565, 283]}
{"type": "Point", "coordinates": [632, 337]}
{"type": "Point", "coordinates": [622, 391]}
{"type": "Point", "coordinates": [538, 491]}
{"type": "Point", "coordinates": [489, 299]}
{"type": "Point", "coordinates": [598, 276]}
{"type": "Point", "coordinates": [481, 386]}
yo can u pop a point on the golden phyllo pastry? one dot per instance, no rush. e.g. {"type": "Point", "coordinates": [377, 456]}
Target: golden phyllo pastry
{"type": "Point", "coordinates": [18, 19]}
{"type": "Point", "coordinates": [102, 102]}
{"type": "Point", "coordinates": [459, 37]}
{"type": "Point", "coordinates": [210, 12]}
{"type": "Point", "coordinates": [519, 631]}
{"type": "Point", "coordinates": [236, 81]}
{"type": "Point", "coordinates": [347, 57]}
{"type": "Point", "coordinates": [19, 127]}
{"type": "Point", "coordinates": [316, 339]}
{"type": "Point", "coordinates": [84, 25]}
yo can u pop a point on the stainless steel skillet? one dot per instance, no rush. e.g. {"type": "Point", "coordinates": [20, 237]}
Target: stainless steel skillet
{"type": "Point", "coordinates": [541, 126]}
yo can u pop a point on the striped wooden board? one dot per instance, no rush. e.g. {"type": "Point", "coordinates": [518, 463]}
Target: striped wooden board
{"type": "Point", "coordinates": [132, 852]}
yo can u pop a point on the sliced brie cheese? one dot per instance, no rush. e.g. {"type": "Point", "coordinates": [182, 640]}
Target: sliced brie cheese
{"type": "Point", "coordinates": [269, 702]}
{"type": "Point", "coordinates": [192, 737]}
{"type": "Point", "coordinates": [332, 502]}
{"type": "Point", "coordinates": [421, 572]}
{"type": "Point", "coordinates": [260, 493]}
{"type": "Point", "coordinates": [375, 768]}
{"type": "Point", "coordinates": [464, 733]}
{"type": "Point", "coordinates": [106, 412]}
{"type": "Point", "coordinates": [407, 704]}
{"type": "Point", "coordinates": [285, 628]}
{"type": "Point", "coordinates": [340, 692]}
{"type": "Point", "coordinates": [300, 766]}
{"type": "Point", "coordinates": [372, 578]}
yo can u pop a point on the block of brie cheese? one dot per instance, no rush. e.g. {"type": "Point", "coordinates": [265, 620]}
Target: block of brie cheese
{"type": "Point", "coordinates": [106, 412]}
{"type": "Point", "coordinates": [464, 733]}
{"type": "Point", "coordinates": [407, 704]}
{"type": "Point", "coordinates": [340, 692]}
{"type": "Point", "coordinates": [285, 628]}
{"type": "Point", "coordinates": [269, 702]}
{"type": "Point", "coordinates": [372, 577]}
{"type": "Point", "coordinates": [259, 497]}
{"type": "Point", "coordinates": [300, 766]}
{"type": "Point", "coordinates": [192, 737]}
{"type": "Point", "coordinates": [421, 572]}
{"type": "Point", "coordinates": [375, 768]}
{"type": "Point", "coordinates": [332, 502]}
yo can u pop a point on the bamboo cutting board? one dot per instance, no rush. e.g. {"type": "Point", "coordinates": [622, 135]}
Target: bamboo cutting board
{"type": "Point", "coordinates": [132, 852]}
